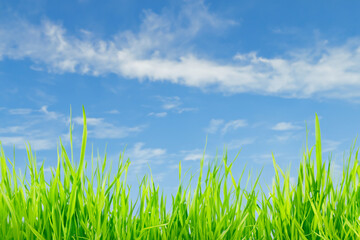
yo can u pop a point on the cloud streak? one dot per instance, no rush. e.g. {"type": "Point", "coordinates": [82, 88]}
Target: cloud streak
{"type": "Point", "coordinates": [158, 115]}
{"type": "Point", "coordinates": [216, 124]}
{"type": "Point", "coordinates": [171, 104]}
{"type": "Point", "coordinates": [194, 155]}
{"type": "Point", "coordinates": [234, 125]}
{"type": "Point", "coordinates": [101, 129]}
{"type": "Point", "coordinates": [35, 143]}
{"type": "Point", "coordinates": [38, 127]}
{"type": "Point", "coordinates": [237, 144]}
{"type": "Point", "coordinates": [285, 126]}
{"type": "Point", "coordinates": [140, 156]}
{"type": "Point", "coordinates": [158, 52]}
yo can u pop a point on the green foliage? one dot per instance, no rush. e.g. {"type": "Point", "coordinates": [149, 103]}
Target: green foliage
{"type": "Point", "coordinates": [73, 205]}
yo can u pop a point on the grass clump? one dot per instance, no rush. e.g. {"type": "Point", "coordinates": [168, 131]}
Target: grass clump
{"type": "Point", "coordinates": [73, 205]}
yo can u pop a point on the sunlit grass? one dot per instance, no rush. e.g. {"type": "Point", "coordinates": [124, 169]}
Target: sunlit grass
{"type": "Point", "coordinates": [74, 205]}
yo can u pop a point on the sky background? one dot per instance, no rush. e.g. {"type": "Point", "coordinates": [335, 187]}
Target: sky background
{"type": "Point", "coordinates": [160, 76]}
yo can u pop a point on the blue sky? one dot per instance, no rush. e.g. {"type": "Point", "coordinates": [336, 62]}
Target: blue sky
{"type": "Point", "coordinates": [160, 76]}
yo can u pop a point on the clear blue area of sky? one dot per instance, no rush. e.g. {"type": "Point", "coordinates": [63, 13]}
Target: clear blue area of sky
{"type": "Point", "coordinates": [160, 76]}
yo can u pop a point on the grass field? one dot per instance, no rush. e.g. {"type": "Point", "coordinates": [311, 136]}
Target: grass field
{"type": "Point", "coordinates": [75, 205]}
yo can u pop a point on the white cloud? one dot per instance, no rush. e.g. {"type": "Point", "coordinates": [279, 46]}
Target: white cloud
{"type": "Point", "coordinates": [139, 153]}
{"type": "Point", "coordinates": [12, 129]}
{"type": "Point", "coordinates": [285, 126]}
{"type": "Point", "coordinates": [286, 30]}
{"type": "Point", "coordinates": [239, 143]}
{"type": "Point", "coordinates": [234, 125]}
{"type": "Point", "coordinates": [36, 68]}
{"type": "Point", "coordinates": [40, 97]}
{"type": "Point", "coordinates": [264, 158]}
{"type": "Point", "coordinates": [189, 109]}
{"type": "Point", "coordinates": [41, 128]}
{"type": "Point", "coordinates": [89, 121]}
{"type": "Point", "coordinates": [110, 131]}
{"type": "Point", "coordinates": [20, 111]}
{"type": "Point", "coordinates": [214, 125]}
{"type": "Point", "coordinates": [159, 114]}
{"type": "Point", "coordinates": [140, 156]}
{"type": "Point", "coordinates": [50, 115]}
{"type": "Point", "coordinates": [169, 106]}
{"type": "Point", "coordinates": [159, 52]}
{"type": "Point", "coordinates": [159, 177]}
{"type": "Point", "coordinates": [173, 104]}
{"type": "Point", "coordinates": [114, 111]}
{"type": "Point", "coordinates": [174, 166]}
{"type": "Point", "coordinates": [170, 102]}
{"type": "Point", "coordinates": [36, 144]}
{"type": "Point", "coordinates": [194, 155]}
{"type": "Point", "coordinates": [104, 130]}
{"type": "Point", "coordinates": [330, 145]}
{"type": "Point", "coordinates": [284, 137]}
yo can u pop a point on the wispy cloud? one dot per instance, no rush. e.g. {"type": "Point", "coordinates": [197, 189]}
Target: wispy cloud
{"type": "Point", "coordinates": [170, 102]}
{"type": "Point", "coordinates": [43, 111]}
{"type": "Point", "coordinates": [38, 127]}
{"type": "Point", "coordinates": [173, 104]}
{"type": "Point", "coordinates": [12, 129]}
{"type": "Point", "coordinates": [186, 109]}
{"type": "Point", "coordinates": [194, 155]}
{"type": "Point", "coordinates": [158, 52]}
{"type": "Point", "coordinates": [330, 145]}
{"type": "Point", "coordinates": [101, 129]}
{"type": "Point", "coordinates": [233, 125]}
{"type": "Point", "coordinates": [265, 158]}
{"type": "Point", "coordinates": [239, 143]}
{"type": "Point", "coordinates": [139, 153]}
{"type": "Point", "coordinates": [283, 137]}
{"type": "Point", "coordinates": [214, 125]}
{"type": "Point", "coordinates": [20, 111]}
{"type": "Point", "coordinates": [285, 126]}
{"type": "Point", "coordinates": [41, 97]}
{"type": "Point", "coordinates": [50, 114]}
{"type": "Point", "coordinates": [42, 127]}
{"type": "Point", "coordinates": [262, 158]}
{"type": "Point", "coordinates": [140, 156]}
{"type": "Point", "coordinates": [159, 114]}
{"type": "Point", "coordinates": [89, 121]}
{"type": "Point", "coordinates": [111, 131]}
{"type": "Point", "coordinates": [286, 30]}
{"type": "Point", "coordinates": [114, 111]}
{"type": "Point", "coordinates": [35, 143]}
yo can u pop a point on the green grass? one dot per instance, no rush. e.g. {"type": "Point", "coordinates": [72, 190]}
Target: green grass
{"type": "Point", "coordinates": [74, 205]}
